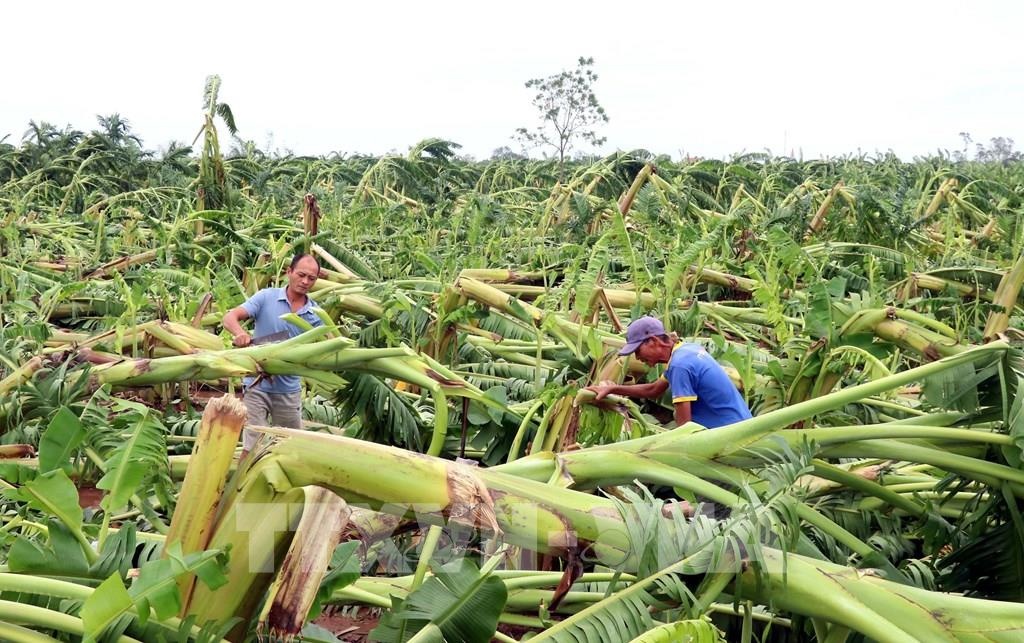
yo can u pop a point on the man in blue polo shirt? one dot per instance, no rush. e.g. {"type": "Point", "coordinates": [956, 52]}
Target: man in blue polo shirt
{"type": "Point", "coordinates": [701, 390]}
{"type": "Point", "coordinates": [276, 400]}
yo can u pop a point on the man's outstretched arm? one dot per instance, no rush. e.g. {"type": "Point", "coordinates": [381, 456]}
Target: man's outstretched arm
{"type": "Point", "coordinates": [683, 413]}
{"type": "Point", "coordinates": [648, 391]}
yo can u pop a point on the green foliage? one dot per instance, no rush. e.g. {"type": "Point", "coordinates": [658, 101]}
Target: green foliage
{"type": "Point", "coordinates": [384, 415]}
{"type": "Point", "coordinates": [153, 594]}
{"type": "Point", "coordinates": [460, 604]}
{"type": "Point", "coordinates": [587, 280]}
{"type": "Point", "coordinates": [62, 437]}
{"type": "Point", "coordinates": [141, 454]}
{"type": "Point", "coordinates": [690, 631]}
{"type": "Point", "coordinates": [40, 399]}
{"type": "Point", "coordinates": [55, 495]}
{"type": "Point", "coordinates": [61, 555]}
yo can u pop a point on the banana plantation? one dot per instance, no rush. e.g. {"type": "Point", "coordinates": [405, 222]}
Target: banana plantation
{"type": "Point", "coordinates": [454, 481]}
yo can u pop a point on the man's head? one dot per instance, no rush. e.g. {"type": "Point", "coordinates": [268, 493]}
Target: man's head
{"type": "Point", "coordinates": [647, 339]}
{"type": "Point", "coordinates": [302, 273]}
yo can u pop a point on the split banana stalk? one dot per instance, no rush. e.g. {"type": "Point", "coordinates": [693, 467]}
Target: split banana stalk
{"type": "Point", "coordinates": [208, 467]}
{"type": "Point", "coordinates": [542, 518]}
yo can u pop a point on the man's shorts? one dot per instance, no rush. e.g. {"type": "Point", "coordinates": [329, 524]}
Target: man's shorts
{"type": "Point", "coordinates": [270, 409]}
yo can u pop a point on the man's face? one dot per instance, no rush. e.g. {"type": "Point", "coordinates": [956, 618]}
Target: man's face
{"type": "Point", "coordinates": [653, 351]}
{"type": "Point", "coordinates": [302, 277]}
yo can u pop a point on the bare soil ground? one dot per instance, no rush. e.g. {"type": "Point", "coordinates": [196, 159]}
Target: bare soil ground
{"type": "Point", "coordinates": [347, 628]}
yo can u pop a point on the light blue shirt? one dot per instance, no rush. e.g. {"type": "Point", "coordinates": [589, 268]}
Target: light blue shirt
{"type": "Point", "coordinates": [266, 308]}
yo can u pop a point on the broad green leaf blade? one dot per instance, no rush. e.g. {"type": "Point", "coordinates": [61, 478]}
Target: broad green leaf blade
{"type": "Point", "coordinates": [463, 603]}
{"type": "Point", "coordinates": [430, 634]}
{"type": "Point", "coordinates": [27, 557]}
{"type": "Point", "coordinates": [953, 388]}
{"type": "Point", "coordinates": [63, 555]}
{"type": "Point", "coordinates": [499, 395]}
{"type": "Point", "coordinates": [60, 440]}
{"type": "Point", "coordinates": [208, 569]}
{"type": "Point", "coordinates": [156, 587]}
{"type": "Point", "coordinates": [155, 590]}
{"type": "Point", "coordinates": [143, 452]}
{"type": "Point", "coordinates": [477, 414]}
{"type": "Point", "coordinates": [818, 320]}
{"type": "Point", "coordinates": [460, 605]}
{"type": "Point", "coordinates": [104, 607]}
{"type": "Point", "coordinates": [691, 631]}
{"type": "Point", "coordinates": [54, 494]}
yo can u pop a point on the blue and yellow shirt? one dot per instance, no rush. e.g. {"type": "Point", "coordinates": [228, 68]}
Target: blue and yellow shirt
{"type": "Point", "coordinates": [265, 308]}
{"type": "Point", "coordinates": [694, 376]}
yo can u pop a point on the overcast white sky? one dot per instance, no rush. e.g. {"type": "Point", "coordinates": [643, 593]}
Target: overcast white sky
{"type": "Point", "coordinates": [703, 78]}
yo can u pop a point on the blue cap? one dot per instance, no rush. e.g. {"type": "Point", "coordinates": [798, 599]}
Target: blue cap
{"type": "Point", "coordinates": [640, 331]}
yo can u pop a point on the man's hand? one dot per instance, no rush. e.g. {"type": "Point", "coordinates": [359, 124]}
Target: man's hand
{"type": "Point", "coordinates": [601, 390]}
{"type": "Point", "coordinates": [239, 337]}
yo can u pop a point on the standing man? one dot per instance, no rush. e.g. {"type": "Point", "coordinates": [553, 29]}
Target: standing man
{"type": "Point", "coordinates": [276, 400]}
{"type": "Point", "coordinates": [701, 390]}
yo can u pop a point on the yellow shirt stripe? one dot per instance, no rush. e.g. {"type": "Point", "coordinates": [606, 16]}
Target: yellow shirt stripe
{"type": "Point", "coordinates": [684, 398]}
{"type": "Point", "coordinates": [674, 349]}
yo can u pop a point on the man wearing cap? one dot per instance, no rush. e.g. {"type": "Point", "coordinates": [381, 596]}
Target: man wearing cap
{"type": "Point", "coordinates": [701, 390]}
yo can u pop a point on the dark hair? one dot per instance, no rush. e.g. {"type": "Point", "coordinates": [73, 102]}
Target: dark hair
{"type": "Point", "coordinates": [299, 257]}
{"type": "Point", "coordinates": [665, 337]}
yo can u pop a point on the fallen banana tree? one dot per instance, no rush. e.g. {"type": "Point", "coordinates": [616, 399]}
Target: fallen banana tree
{"type": "Point", "coordinates": [308, 355]}
{"type": "Point", "coordinates": [558, 521]}
{"type": "Point", "coordinates": [271, 498]}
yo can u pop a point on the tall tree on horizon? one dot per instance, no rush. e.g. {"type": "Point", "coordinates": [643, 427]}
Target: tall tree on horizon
{"type": "Point", "coordinates": [569, 111]}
